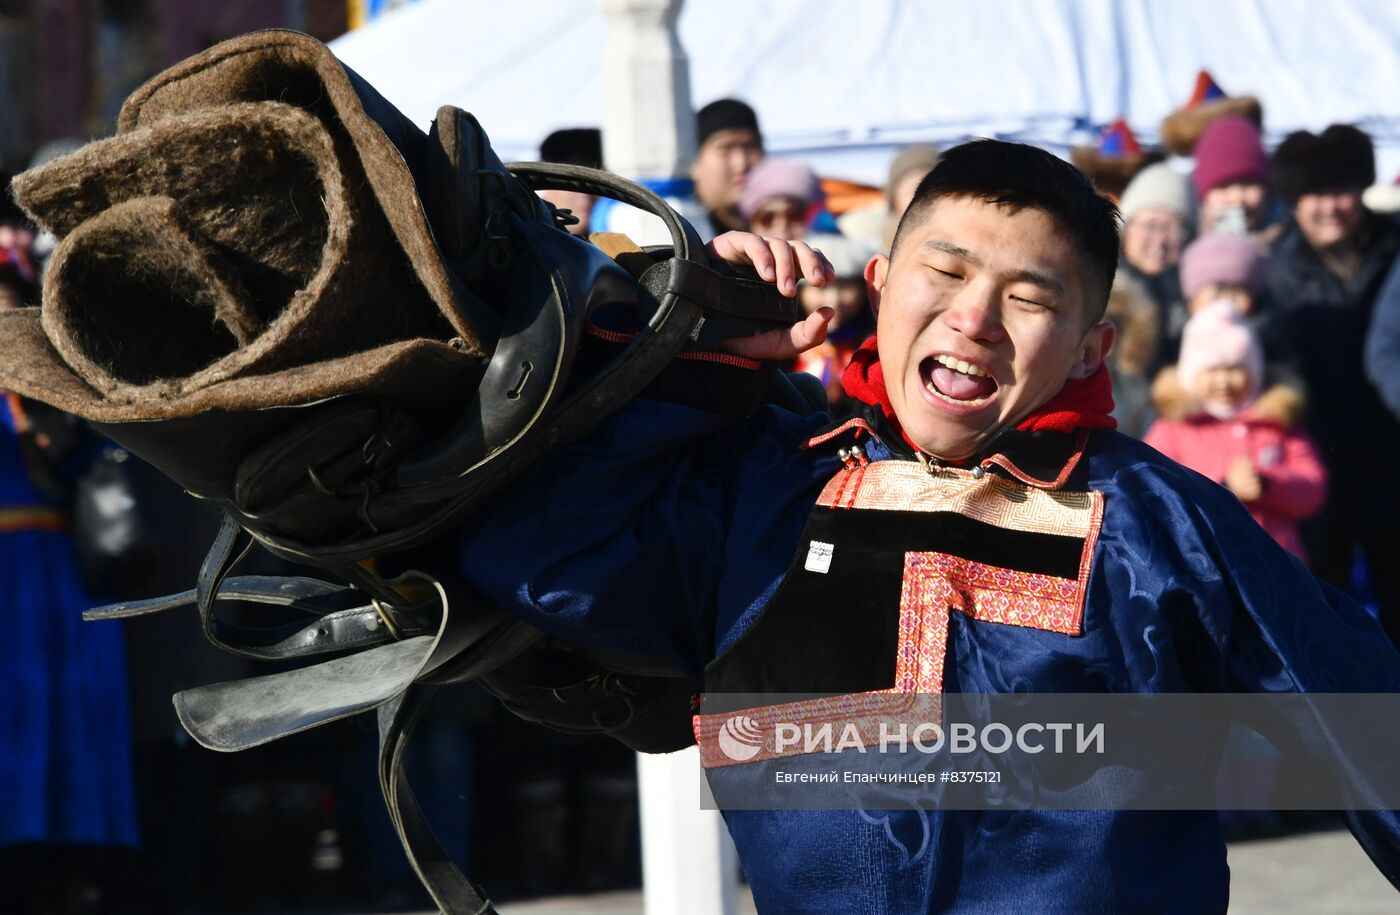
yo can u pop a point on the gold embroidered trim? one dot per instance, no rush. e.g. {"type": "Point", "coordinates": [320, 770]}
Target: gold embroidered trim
{"type": "Point", "coordinates": [906, 486]}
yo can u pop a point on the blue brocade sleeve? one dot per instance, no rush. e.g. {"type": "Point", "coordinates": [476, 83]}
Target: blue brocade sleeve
{"type": "Point", "coordinates": [655, 535]}
{"type": "Point", "coordinates": [1244, 615]}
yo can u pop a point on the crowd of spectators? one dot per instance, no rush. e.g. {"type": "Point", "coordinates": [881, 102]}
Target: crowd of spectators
{"type": "Point", "coordinates": [1257, 307]}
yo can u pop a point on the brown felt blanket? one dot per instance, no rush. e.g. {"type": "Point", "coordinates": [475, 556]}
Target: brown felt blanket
{"type": "Point", "coordinates": [251, 237]}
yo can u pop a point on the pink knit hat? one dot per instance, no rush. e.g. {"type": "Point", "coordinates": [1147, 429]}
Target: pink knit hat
{"type": "Point", "coordinates": [1229, 151]}
{"type": "Point", "coordinates": [1231, 260]}
{"type": "Point", "coordinates": [1217, 337]}
{"type": "Point", "coordinates": [778, 178]}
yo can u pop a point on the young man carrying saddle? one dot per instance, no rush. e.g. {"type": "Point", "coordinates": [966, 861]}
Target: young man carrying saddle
{"type": "Point", "coordinates": [978, 528]}
{"type": "Point", "coordinates": [352, 376]}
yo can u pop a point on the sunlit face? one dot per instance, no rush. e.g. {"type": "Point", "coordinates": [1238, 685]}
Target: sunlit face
{"type": "Point", "coordinates": [1250, 197]}
{"type": "Point", "coordinates": [1238, 297]}
{"type": "Point", "coordinates": [1222, 390]}
{"type": "Point", "coordinates": [781, 217]}
{"type": "Point", "coordinates": [1330, 218]}
{"type": "Point", "coordinates": [16, 235]}
{"type": "Point", "coordinates": [981, 317]}
{"type": "Point", "coordinates": [722, 164]}
{"type": "Point", "coordinates": [845, 297]}
{"type": "Point", "coordinates": [1152, 240]}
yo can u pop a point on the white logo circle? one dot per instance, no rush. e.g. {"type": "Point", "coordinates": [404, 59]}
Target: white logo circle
{"type": "Point", "coordinates": [740, 738]}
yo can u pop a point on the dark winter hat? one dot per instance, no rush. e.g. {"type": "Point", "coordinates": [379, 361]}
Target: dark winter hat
{"type": "Point", "coordinates": [1229, 151]}
{"type": "Point", "coordinates": [574, 146]}
{"type": "Point", "coordinates": [724, 114]}
{"type": "Point", "coordinates": [1340, 158]}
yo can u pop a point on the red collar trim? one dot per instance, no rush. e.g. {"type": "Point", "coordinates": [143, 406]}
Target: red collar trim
{"type": "Point", "coordinates": [1083, 403]}
{"type": "Point", "coordinates": [855, 423]}
{"type": "Point", "coordinates": [1003, 461]}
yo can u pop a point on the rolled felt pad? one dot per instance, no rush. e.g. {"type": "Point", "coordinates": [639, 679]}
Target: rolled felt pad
{"type": "Point", "coordinates": [251, 237]}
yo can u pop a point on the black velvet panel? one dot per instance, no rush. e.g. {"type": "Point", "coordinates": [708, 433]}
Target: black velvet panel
{"type": "Point", "coordinates": [838, 631]}
{"type": "Point", "coordinates": [822, 633]}
{"type": "Point", "coordinates": [959, 535]}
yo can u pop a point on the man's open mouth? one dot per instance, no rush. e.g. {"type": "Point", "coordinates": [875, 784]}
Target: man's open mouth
{"type": "Point", "coordinates": [956, 381]}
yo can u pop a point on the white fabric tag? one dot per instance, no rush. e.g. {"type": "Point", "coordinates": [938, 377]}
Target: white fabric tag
{"type": "Point", "coordinates": [819, 557]}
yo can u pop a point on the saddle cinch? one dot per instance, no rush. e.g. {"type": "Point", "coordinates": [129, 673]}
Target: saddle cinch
{"type": "Point", "coordinates": [280, 292]}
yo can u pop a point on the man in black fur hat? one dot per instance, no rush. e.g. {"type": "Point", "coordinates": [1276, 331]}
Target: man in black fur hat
{"type": "Point", "coordinates": [1325, 274]}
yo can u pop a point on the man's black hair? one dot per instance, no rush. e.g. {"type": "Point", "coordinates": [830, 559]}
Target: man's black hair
{"type": "Point", "coordinates": [725, 114]}
{"type": "Point", "coordinates": [574, 146]}
{"type": "Point", "coordinates": [1015, 176]}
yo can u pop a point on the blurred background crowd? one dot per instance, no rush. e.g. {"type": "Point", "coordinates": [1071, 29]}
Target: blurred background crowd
{"type": "Point", "coordinates": [1258, 314]}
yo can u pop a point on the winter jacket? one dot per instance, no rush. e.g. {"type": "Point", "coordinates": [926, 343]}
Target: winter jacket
{"type": "Point", "coordinates": [670, 531]}
{"type": "Point", "coordinates": [1133, 358]}
{"type": "Point", "coordinates": [1294, 480]}
{"type": "Point", "coordinates": [1164, 290]}
{"type": "Point", "coordinates": [1383, 344]}
{"type": "Point", "coordinates": [1326, 318]}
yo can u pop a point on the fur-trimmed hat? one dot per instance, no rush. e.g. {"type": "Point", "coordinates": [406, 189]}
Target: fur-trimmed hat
{"type": "Point", "coordinates": [1183, 128]}
{"type": "Point", "coordinates": [1114, 160]}
{"type": "Point", "coordinates": [1340, 158]}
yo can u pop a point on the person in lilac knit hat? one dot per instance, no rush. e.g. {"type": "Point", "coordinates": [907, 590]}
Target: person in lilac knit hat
{"type": "Point", "coordinates": [779, 198]}
{"type": "Point", "coordinates": [1234, 269]}
{"type": "Point", "coordinates": [1216, 267]}
{"type": "Point", "coordinates": [1231, 178]}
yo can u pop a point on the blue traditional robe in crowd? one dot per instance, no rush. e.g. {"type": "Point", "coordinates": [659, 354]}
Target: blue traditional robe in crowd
{"type": "Point", "coordinates": [678, 530]}
{"type": "Point", "coordinates": [65, 741]}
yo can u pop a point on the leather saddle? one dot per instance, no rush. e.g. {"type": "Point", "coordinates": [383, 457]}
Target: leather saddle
{"type": "Point", "coordinates": [346, 333]}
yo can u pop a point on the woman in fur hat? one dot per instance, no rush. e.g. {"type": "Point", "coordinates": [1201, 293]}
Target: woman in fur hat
{"type": "Point", "coordinates": [1217, 420]}
{"type": "Point", "coordinates": [1324, 276]}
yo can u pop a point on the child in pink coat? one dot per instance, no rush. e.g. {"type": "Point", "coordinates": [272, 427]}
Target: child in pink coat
{"type": "Point", "coordinates": [1215, 420]}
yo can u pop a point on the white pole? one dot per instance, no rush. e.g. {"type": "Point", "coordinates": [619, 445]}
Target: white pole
{"type": "Point", "coordinates": [689, 866]}
{"type": "Point", "coordinates": [648, 121]}
{"type": "Point", "coordinates": [648, 124]}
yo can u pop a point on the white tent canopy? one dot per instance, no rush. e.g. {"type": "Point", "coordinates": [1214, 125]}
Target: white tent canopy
{"type": "Point", "coordinates": [842, 83]}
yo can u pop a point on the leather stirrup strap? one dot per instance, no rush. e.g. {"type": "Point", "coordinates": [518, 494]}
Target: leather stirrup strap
{"type": "Point", "coordinates": [343, 618]}
{"type": "Point", "coordinates": [451, 890]}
